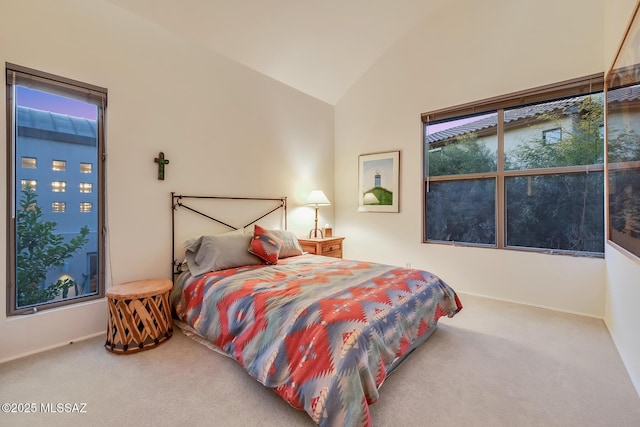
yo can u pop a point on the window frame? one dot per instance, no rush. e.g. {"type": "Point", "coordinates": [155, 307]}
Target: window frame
{"type": "Point", "coordinates": [86, 207]}
{"type": "Point", "coordinates": [85, 169]}
{"type": "Point", "coordinates": [581, 86]}
{"type": "Point", "coordinates": [23, 159]}
{"type": "Point", "coordinates": [86, 187]}
{"type": "Point", "coordinates": [59, 165]}
{"type": "Point", "coordinates": [547, 132]}
{"type": "Point", "coordinates": [58, 207]}
{"type": "Point", "coordinates": [32, 183]}
{"type": "Point", "coordinates": [58, 186]}
{"type": "Point", "coordinates": [19, 75]}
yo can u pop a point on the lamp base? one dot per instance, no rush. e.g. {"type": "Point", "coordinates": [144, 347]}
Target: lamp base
{"type": "Point", "coordinates": [314, 233]}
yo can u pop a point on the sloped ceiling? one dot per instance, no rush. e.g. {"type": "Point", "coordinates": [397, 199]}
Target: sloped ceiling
{"type": "Point", "coordinates": [318, 47]}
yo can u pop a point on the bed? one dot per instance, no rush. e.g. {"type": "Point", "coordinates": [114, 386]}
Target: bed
{"type": "Point", "coordinates": [323, 333]}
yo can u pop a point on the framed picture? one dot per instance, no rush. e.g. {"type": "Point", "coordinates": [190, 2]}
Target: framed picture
{"type": "Point", "coordinates": [378, 182]}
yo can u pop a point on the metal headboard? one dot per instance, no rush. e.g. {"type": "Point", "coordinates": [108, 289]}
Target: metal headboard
{"type": "Point", "coordinates": [178, 202]}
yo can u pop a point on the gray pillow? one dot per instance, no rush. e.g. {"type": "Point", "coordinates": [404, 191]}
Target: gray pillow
{"type": "Point", "coordinates": [219, 252]}
{"type": "Point", "coordinates": [290, 244]}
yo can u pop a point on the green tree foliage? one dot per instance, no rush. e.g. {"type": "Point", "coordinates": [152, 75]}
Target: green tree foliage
{"type": "Point", "coordinates": [39, 250]}
{"type": "Point", "coordinates": [624, 207]}
{"type": "Point", "coordinates": [462, 211]}
{"type": "Point", "coordinates": [465, 155]}
{"type": "Point", "coordinates": [624, 183]}
{"type": "Point", "coordinates": [624, 145]}
{"type": "Point", "coordinates": [562, 211]}
{"type": "Point", "coordinates": [581, 142]}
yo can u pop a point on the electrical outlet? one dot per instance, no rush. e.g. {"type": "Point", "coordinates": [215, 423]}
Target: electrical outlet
{"type": "Point", "coordinates": [408, 265]}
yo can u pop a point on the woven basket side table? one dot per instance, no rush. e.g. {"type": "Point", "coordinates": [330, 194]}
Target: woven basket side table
{"type": "Point", "coordinates": [139, 315]}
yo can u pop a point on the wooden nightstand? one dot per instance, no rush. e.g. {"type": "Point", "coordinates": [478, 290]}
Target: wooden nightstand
{"type": "Point", "coordinates": [327, 246]}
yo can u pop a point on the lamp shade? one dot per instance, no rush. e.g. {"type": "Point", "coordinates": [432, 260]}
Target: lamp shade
{"type": "Point", "coordinates": [317, 198]}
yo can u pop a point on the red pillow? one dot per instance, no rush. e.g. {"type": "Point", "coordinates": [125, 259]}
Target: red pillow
{"type": "Point", "coordinates": [265, 245]}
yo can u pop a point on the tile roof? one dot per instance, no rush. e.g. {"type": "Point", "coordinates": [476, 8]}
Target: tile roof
{"type": "Point", "coordinates": [511, 116]}
{"type": "Point", "coordinates": [630, 93]}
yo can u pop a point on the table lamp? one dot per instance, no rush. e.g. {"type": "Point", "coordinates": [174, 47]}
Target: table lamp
{"type": "Point", "coordinates": [317, 198]}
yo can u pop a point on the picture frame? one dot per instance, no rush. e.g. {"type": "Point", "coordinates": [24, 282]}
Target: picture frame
{"type": "Point", "coordinates": [379, 182]}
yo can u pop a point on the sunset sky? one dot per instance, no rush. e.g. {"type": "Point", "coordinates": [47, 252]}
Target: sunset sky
{"type": "Point", "coordinates": [55, 103]}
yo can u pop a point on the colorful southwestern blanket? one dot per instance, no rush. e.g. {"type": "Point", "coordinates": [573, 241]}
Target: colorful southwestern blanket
{"type": "Point", "coordinates": [322, 332]}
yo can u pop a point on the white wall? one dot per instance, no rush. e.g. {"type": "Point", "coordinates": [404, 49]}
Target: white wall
{"type": "Point", "coordinates": [622, 314]}
{"type": "Point", "coordinates": [464, 53]}
{"type": "Point", "coordinates": [226, 130]}
{"type": "Point", "coordinates": [623, 272]}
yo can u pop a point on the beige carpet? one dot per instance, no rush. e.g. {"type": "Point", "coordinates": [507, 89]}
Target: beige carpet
{"type": "Point", "coordinates": [495, 364]}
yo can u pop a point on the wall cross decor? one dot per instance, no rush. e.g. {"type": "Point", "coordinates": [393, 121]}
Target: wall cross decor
{"type": "Point", "coordinates": [161, 161]}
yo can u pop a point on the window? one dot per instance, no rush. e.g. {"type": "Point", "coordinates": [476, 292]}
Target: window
{"type": "Point", "coordinates": [58, 186]}
{"type": "Point", "coordinates": [552, 136]}
{"type": "Point", "coordinates": [58, 165]}
{"type": "Point", "coordinates": [86, 187]}
{"type": "Point", "coordinates": [30, 184]}
{"type": "Point", "coordinates": [522, 171]}
{"type": "Point", "coordinates": [623, 146]}
{"type": "Point", "coordinates": [29, 163]}
{"type": "Point", "coordinates": [51, 248]}
{"type": "Point", "coordinates": [58, 207]}
{"type": "Point", "coordinates": [86, 167]}
{"type": "Point", "coordinates": [623, 142]}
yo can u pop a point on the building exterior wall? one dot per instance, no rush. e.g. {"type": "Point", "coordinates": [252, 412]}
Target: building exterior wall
{"type": "Point", "coordinates": [68, 223]}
